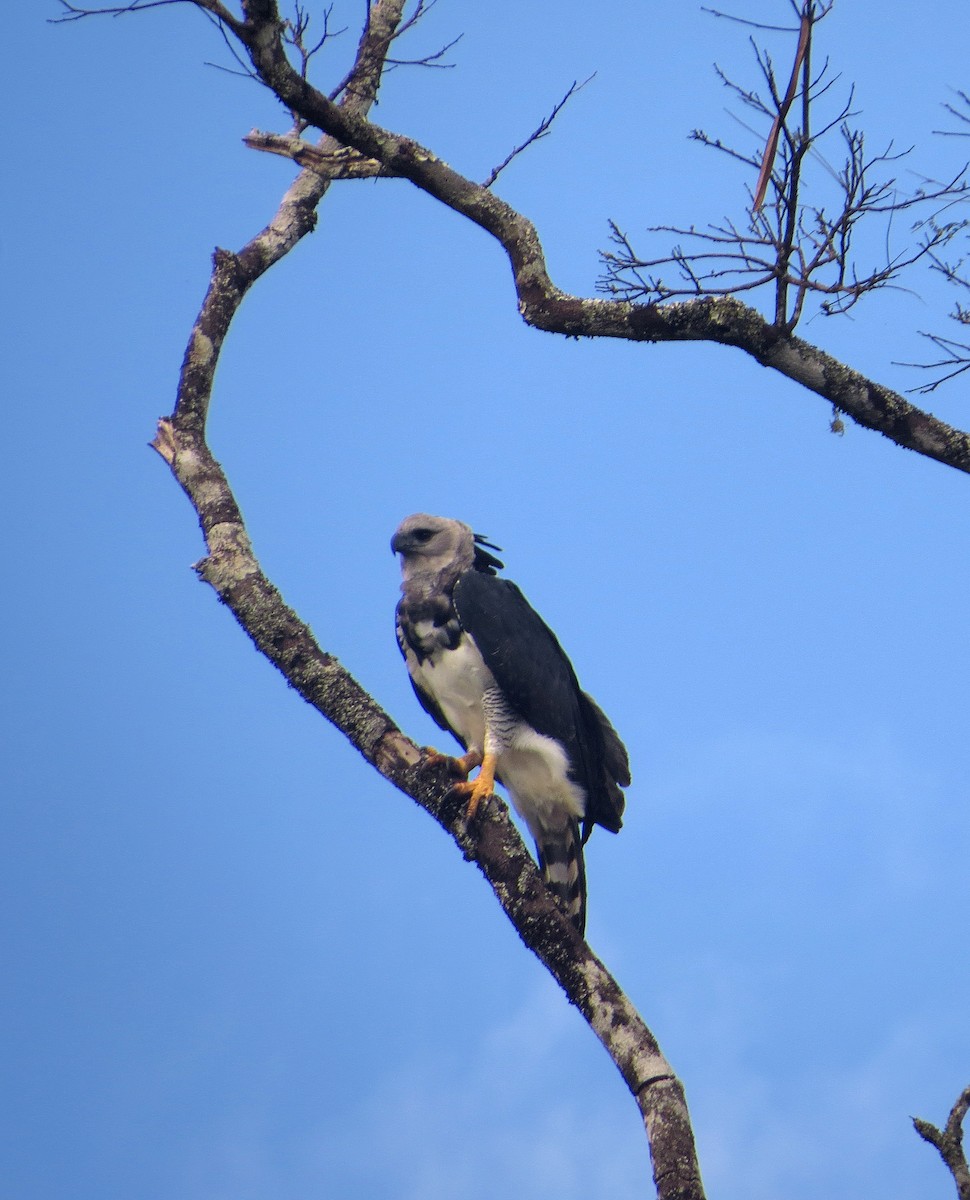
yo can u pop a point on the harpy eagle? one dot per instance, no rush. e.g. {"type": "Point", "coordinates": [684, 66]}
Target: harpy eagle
{"type": "Point", "coordinates": [486, 667]}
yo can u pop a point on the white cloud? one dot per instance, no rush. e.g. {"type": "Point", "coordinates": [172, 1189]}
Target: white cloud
{"type": "Point", "coordinates": [838, 1132]}
{"type": "Point", "coordinates": [510, 1117]}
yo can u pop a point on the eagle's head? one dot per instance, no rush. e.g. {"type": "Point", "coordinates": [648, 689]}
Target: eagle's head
{"type": "Point", "coordinates": [440, 545]}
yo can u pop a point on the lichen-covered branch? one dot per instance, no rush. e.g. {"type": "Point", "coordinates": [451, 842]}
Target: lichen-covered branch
{"type": "Point", "coordinates": [949, 1142]}
{"type": "Point", "coordinates": [723, 320]}
{"type": "Point", "coordinates": [232, 570]}
{"type": "Point", "coordinates": [340, 163]}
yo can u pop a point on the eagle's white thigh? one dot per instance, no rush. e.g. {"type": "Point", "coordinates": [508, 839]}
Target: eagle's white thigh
{"type": "Point", "coordinates": [534, 770]}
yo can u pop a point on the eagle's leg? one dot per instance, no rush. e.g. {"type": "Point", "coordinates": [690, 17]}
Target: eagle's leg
{"type": "Point", "coordinates": [462, 766]}
{"type": "Point", "coordinates": [481, 789]}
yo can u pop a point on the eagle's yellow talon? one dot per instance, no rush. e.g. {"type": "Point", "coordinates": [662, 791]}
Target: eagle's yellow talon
{"type": "Point", "coordinates": [481, 789]}
{"type": "Point", "coordinates": [461, 767]}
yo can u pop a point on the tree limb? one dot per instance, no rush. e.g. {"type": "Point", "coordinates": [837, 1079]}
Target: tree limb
{"type": "Point", "coordinates": [949, 1142]}
{"type": "Point", "coordinates": [542, 304]}
{"type": "Point", "coordinates": [340, 163]}
{"type": "Point", "coordinates": [232, 570]}
{"type": "Point", "coordinates": [491, 841]}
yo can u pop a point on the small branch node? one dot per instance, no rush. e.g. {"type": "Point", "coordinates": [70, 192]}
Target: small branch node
{"type": "Point", "coordinates": [164, 440]}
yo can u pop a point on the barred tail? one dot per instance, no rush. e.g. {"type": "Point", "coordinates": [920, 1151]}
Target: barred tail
{"type": "Point", "coordinates": [564, 872]}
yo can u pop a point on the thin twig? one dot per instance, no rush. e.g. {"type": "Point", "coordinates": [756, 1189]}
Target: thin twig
{"type": "Point", "coordinates": [798, 249]}
{"type": "Point", "coordinates": [771, 147]}
{"type": "Point", "coordinates": [541, 130]}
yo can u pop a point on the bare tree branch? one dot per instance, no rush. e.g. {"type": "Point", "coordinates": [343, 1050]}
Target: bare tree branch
{"type": "Point", "coordinates": [949, 1142]}
{"type": "Point", "coordinates": [232, 570]}
{"type": "Point", "coordinates": [961, 114]}
{"type": "Point", "coordinates": [74, 12]}
{"type": "Point", "coordinates": [426, 60]}
{"type": "Point", "coordinates": [545, 306]}
{"type": "Point", "coordinates": [541, 130]}
{"type": "Point", "coordinates": [341, 163]}
{"type": "Point", "coordinates": [798, 249]}
{"type": "Point", "coordinates": [822, 10]}
{"type": "Point", "coordinates": [771, 149]}
{"type": "Point", "coordinates": [717, 319]}
{"type": "Point", "coordinates": [956, 355]}
{"type": "Point", "coordinates": [954, 271]}
{"type": "Point", "coordinates": [295, 33]}
{"type": "Point", "coordinates": [492, 841]}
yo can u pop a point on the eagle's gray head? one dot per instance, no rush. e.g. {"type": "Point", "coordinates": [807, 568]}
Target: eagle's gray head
{"type": "Point", "coordinates": [430, 545]}
{"type": "Point", "coordinates": [440, 547]}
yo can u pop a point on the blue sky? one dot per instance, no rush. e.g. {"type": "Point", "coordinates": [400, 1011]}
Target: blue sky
{"type": "Point", "coordinates": [238, 963]}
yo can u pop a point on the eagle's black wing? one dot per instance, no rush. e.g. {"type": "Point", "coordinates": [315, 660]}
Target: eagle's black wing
{"type": "Point", "coordinates": [538, 681]}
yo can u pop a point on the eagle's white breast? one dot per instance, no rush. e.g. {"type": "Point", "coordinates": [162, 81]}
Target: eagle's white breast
{"type": "Point", "coordinates": [533, 768]}
{"type": "Point", "coordinates": [458, 680]}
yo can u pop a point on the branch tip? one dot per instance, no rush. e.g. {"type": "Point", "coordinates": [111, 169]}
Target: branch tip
{"type": "Point", "coordinates": [164, 440]}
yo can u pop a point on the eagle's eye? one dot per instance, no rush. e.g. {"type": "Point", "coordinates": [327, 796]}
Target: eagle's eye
{"type": "Point", "coordinates": [423, 535]}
